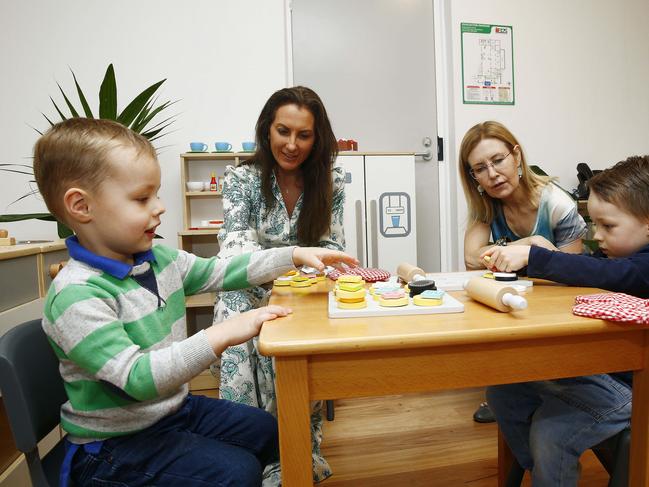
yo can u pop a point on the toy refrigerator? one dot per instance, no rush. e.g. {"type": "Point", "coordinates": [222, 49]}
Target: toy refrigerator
{"type": "Point", "coordinates": [380, 210]}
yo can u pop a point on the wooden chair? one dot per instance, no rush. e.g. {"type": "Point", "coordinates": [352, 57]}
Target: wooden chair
{"type": "Point", "coordinates": [32, 390]}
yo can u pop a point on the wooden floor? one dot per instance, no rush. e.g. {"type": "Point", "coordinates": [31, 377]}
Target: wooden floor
{"type": "Point", "coordinates": [419, 440]}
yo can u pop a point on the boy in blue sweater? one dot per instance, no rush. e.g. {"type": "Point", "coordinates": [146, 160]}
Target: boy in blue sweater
{"type": "Point", "coordinates": [115, 316]}
{"type": "Point", "coordinates": [549, 424]}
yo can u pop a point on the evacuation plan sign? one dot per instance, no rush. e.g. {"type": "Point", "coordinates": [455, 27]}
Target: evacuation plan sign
{"type": "Point", "coordinates": [487, 64]}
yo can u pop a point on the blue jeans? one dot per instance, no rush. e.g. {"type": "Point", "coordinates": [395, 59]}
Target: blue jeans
{"type": "Point", "coordinates": [549, 424]}
{"type": "Point", "coordinates": [207, 442]}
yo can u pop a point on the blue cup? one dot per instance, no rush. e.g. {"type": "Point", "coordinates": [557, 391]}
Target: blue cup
{"type": "Point", "coordinates": [395, 220]}
{"type": "Point", "coordinates": [223, 146]}
{"type": "Point", "coordinates": [248, 146]}
{"type": "Point", "coordinates": [198, 146]}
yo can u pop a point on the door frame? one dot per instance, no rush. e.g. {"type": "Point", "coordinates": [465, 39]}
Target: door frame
{"type": "Point", "coordinates": [447, 179]}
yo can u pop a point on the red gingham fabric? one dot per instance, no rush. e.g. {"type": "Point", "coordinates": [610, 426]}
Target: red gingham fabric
{"type": "Point", "coordinates": [368, 275]}
{"type": "Point", "coordinates": [613, 307]}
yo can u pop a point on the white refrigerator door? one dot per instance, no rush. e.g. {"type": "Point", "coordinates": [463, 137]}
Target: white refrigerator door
{"type": "Point", "coordinates": [354, 219]}
{"type": "Point", "coordinates": [391, 211]}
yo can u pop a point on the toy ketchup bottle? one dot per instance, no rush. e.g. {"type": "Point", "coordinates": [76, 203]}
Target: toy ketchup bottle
{"type": "Point", "coordinates": [213, 184]}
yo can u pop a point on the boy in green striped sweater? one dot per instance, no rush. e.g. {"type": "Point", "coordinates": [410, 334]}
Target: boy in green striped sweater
{"type": "Point", "coordinates": [115, 316]}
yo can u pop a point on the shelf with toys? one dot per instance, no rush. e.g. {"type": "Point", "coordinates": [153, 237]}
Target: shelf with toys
{"type": "Point", "coordinates": [201, 180]}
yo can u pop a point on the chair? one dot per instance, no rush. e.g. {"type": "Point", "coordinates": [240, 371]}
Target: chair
{"type": "Point", "coordinates": [613, 453]}
{"type": "Point", "coordinates": [32, 390]}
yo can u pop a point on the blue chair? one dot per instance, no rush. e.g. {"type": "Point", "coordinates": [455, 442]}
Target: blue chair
{"type": "Point", "coordinates": [32, 390]}
{"type": "Point", "coordinates": [613, 453]}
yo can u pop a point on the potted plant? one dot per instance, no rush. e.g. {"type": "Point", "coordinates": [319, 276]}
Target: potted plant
{"type": "Point", "coordinates": [138, 115]}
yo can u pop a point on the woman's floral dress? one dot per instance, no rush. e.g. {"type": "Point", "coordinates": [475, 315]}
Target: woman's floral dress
{"type": "Point", "coordinates": [249, 224]}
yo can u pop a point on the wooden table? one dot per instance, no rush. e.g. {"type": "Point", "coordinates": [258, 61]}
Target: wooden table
{"type": "Point", "coordinates": [318, 358]}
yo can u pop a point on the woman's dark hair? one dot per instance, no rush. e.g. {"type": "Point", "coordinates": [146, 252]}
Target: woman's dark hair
{"type": "Point", "coordinates": [315, 216]}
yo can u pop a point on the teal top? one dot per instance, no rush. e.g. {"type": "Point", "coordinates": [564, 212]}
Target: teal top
{"type": "Point", "coordinates": [557, 219]}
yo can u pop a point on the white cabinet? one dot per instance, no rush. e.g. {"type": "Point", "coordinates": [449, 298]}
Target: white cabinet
{"type": "Point", "coordinates": [380, 208]}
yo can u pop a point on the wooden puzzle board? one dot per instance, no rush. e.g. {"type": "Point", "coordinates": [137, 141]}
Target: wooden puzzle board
{"type": "Point", "coordinates": [449, 305]}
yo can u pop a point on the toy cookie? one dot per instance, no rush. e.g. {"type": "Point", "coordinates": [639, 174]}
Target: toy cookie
{"type": "Point", "coordinates": [429, 298]}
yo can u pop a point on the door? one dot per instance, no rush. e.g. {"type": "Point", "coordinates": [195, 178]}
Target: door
{"type": "Point", "coordinates": [354, 221]}
{"type": "Point", "coordinates": [391, 211]}
{"type": "Point", "coordinates": [372, 62]}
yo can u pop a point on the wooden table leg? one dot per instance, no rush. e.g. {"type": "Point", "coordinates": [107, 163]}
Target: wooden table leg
{"type": "Point", "coordinates": [292, 389]}
{"type": "Point", "coordinates": [638, 462]}
{"type": "Point", "coordinates": [505, 459]}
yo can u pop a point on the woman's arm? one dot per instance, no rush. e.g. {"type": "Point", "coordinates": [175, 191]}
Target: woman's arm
{"type": "Point", "coordinates": [476, 241]}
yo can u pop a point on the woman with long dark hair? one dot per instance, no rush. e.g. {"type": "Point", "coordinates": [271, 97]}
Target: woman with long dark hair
{"type": "Point", "coordinates": [288, 193]}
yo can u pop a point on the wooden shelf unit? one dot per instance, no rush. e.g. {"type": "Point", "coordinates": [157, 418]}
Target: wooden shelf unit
{"type": "Point", "coordinates": [203, 241]}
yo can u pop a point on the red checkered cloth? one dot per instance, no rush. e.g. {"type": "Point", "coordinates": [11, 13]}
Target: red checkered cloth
{"type": "Point", "coordinates": [368, 275]}
{"type": "Point", "coordinates": [613, 307]}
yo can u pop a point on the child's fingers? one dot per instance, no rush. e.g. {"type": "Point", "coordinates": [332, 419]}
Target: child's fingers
{"type": "Point", "coordinates": [277, 310]}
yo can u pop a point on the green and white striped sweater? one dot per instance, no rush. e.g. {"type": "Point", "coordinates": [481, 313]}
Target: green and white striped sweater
{"type": "Point", "coordinates": [124, 360]}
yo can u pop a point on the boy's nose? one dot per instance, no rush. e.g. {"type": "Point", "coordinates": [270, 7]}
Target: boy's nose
{"type": "Point", "coordinates": [159, 208]}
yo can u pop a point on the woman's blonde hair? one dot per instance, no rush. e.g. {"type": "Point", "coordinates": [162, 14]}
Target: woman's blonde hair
{"type": "Point", "coordinates": [481, 207]}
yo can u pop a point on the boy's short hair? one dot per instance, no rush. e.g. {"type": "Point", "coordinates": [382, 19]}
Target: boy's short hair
{"type": "Point", "coordinates": [625, 185]}
{"type": "Point", "coordinates": [75, 153]}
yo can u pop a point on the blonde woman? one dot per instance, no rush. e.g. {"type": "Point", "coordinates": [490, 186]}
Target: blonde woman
{"type": "Point", "coordinates": [508, 204]}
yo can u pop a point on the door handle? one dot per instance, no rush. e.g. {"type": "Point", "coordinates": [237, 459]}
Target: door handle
{"type": "Point", "coordinates": [360, 242]}
{"type": "Point", "coordinates": [375, 234]}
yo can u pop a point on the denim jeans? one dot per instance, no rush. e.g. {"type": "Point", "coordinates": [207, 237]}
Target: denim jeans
{"type": "Point", "coordinates": [549, 424]}
{"type": "Point", "coordinates": [206, 442]}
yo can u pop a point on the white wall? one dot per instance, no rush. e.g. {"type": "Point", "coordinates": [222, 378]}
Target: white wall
{"type": "Point", "coordinates": [581, 74]}
{"type": "Point", "coordinates": [222, 59]}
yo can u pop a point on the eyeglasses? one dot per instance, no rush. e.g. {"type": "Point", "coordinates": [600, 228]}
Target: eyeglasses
{"type": "Point", "coordinates": [480, 171]}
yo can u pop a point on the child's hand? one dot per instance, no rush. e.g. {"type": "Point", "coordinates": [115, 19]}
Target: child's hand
{"type": "Point", "coordinates": [242, 327]}
{"type": "Point", "coordinates": [506, 259]}
{"type": "Point", "coordinates": [320, 257]}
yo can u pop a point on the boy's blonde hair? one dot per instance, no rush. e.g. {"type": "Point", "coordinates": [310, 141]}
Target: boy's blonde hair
{"type": "Point", "coordinates": [625, 185]}
{"type": "Point", "coordinates": [481, 206]}
{"type": "Point", "coordinates": [75, 153]}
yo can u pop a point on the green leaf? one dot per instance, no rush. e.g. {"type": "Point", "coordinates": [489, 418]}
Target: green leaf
{"type": "Point", "coordinates": [139, 102]}
{"type": "Point", "coordinates": [50, 122]}
{"type": "Point", "coordinates": [63, 117]}
{"type": "Point", "coordinates": [17, 171]}
{"type": "Point", "coordinates": [73, 111]}
{"type": "Point", "coordinates": [153, 113]}
{"type": "Point", "coordinates": [63, 230]}
{"type": "Point", "coordinates": [152, 133]}
{"type": "Point", "coordinates": [138, 123]}
{"type": "Point", "coordinates": [82, 98]}
{"type": "Point", "coordinates": [27, 216]}
{"type": "Point", "coordinates": [108, 95]}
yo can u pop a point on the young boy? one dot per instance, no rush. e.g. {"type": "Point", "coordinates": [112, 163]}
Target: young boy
{"type": "Point", "coordinates": [115, 316]}
{"type": "Point", "coordinates": [549, 424]}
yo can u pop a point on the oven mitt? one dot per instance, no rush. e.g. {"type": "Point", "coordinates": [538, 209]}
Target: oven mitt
{"type": "Point", "coordinates": [613, 307]}
{"type": "Point", "coordinates": [368, 274]}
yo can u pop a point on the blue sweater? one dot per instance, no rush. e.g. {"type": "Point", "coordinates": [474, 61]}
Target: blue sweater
{"type": "Point", "coordinates": [628, 275]}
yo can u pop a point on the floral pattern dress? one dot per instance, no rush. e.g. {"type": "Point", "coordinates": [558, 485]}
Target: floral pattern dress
{"type": "Point", "coordinates": [249, 224]}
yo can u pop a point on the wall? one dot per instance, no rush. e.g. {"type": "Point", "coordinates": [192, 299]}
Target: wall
{"type": "Point", "coordinates": [221, 59]}
{"type": "Point", "coordinates": [581, 74]}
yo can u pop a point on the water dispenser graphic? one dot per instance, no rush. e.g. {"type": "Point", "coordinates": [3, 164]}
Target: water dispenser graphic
{"type": "Point", "coordinates": [394, 211]}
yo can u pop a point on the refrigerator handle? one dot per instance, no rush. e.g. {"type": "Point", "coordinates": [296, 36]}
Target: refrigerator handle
{"type": "Point", "coordinates": [360, 241]}
{"type": "Point", "coordinates": [374, 230]}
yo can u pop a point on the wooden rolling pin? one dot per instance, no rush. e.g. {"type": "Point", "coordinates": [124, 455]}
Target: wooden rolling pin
{"type": "Point", "coordinates": [498, 296]}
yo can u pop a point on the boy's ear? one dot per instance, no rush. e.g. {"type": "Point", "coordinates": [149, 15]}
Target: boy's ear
{"type": "Point", "coordinates": [76, 204]}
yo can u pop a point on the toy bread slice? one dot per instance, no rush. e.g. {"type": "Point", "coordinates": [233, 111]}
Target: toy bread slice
{"type": "Point", "coordinates": [394, 302]}
{"type": "Point", "coordinates": [357, 305]}
{"type": "Point", "coordinates": [349, 278]}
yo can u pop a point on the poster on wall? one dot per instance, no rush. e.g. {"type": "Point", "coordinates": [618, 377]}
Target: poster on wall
{"type": "Point", "coordinates": [487, 64]}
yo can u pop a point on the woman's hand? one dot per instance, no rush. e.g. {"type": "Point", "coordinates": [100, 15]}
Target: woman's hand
{"type": "Point", "coordinates": [319, 257]}
{"type": "Point", "coordinates": [506, 259]}
{"type": "Point", "coordinates": [242, 327]}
